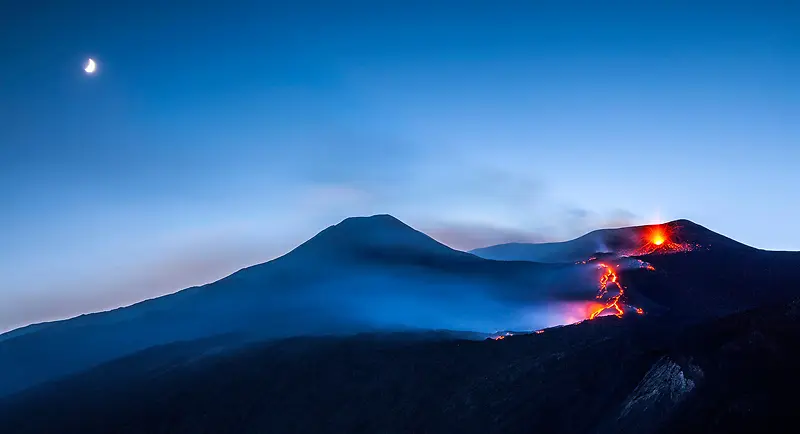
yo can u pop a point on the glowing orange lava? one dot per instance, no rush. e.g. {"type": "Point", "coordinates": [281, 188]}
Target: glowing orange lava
{"type": "Point", "coordinates": [593, 258]}
{"type": "Point", "coordinates": [503, 336]}
{"type": "Point", "coordinates": [610, 278]}
{"type": "Point", "coordinates": [660, 239]}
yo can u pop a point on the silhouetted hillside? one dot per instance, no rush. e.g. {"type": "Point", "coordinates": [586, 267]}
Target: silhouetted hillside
{"type": "Point", "coordinates": [735, 374]}
{"type": "Point", "coordinates": [716, 281]}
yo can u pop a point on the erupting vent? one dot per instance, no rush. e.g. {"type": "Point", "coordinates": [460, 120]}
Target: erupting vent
{"type": "Point", "coordinates": [661, 239]}
{"type": "Point", "coordinates": [657, 239]}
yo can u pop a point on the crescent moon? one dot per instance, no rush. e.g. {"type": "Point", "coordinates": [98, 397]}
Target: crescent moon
{"type": "Point", "coordinates": [90, 67]}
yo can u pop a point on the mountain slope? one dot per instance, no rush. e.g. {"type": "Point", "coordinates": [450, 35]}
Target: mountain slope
{"type": "Point", "coordinates": [360, 275]}
{"type": "Point", "coordinates": [366, 383]}
{"type": "Point", "coordinates": [641, 375]}
{"type": "Point", "coordinates": [716, 281]}
{"type": "Point", "coordinates": [376, 273]}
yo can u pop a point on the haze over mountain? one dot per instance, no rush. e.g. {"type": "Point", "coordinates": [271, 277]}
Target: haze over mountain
{"type": "Point", "coordinates": [363, 274]}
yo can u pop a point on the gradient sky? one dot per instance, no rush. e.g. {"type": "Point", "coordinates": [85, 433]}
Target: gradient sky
{"type": "Point", "coordinates": [221, 134]}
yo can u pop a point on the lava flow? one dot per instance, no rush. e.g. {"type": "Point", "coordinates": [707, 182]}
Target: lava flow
{"type": "Point", "coordinates": [584, 262]}
{"type": "Point", "coordinates": [610, 277]}
{"type": "Point", "coordinates": [656, 239]}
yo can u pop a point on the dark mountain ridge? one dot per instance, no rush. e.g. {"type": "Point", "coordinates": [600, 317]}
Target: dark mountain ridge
{"type": "Point", "coordinates": [621, 240]}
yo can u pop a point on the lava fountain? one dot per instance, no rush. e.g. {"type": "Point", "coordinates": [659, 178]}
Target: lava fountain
{"type": "Point", "coordinates": [660, 239]}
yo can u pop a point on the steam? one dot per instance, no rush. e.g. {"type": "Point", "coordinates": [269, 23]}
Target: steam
{"type": "Point", "coordinates": [379, 301]}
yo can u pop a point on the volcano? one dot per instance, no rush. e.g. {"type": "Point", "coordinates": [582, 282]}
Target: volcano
{"type": "Point", "coordinates": [671, 237]}
{"type": "Point", "coordinates": [372, 300]}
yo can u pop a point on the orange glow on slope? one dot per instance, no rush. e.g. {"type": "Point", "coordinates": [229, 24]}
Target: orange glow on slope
{"type": "Point", "coordinates": [507, 334]}
{"type": "Point", "coordinates": [503, 336]}
{"type": "Point", "coordinates": [610, 278]}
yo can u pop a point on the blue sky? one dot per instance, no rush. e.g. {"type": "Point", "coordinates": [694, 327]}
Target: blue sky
{"type": "Point", "coordinates": [220, 134]}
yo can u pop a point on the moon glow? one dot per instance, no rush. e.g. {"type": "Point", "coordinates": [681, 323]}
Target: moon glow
{"type": "Point", "coordinates": [91, 66]}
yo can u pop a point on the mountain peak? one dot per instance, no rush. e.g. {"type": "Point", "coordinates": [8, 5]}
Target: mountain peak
{"type": "Point", "coordinates": [370, 226]}
{"type": "Point", "coordinates": [377, 220]}
{"type": "Point", "coordinates": [361, 239]}
{"type": "Point", "coordinates": [370, 232]}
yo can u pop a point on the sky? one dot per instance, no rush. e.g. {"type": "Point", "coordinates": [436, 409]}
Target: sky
{"type": "Point", "coordinates": [217, 134]}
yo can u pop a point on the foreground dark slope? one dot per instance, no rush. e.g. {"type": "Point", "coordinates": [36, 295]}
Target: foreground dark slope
{"type": "Point", "coordinates": [360, 384]}
{"type": "Point", "coordinates": [735, 374]}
